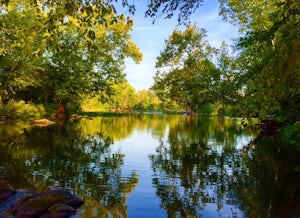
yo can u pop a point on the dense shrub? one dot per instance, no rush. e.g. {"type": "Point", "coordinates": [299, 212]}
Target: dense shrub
{"type": "Point", "coordinates": [22, 109]}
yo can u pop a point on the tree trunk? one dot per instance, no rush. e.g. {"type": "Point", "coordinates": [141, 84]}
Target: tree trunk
{"type": "Point", "coordinates": [62, 112]}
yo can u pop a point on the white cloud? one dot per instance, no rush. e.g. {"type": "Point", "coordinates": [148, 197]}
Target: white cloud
{"type": "Point", "coordinates": [140, 76]}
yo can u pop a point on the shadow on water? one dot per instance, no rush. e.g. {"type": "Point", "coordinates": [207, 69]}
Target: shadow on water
{"type": "Point", "coordinates": [201, 166]}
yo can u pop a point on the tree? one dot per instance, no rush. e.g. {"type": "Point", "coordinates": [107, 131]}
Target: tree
{"type": "Point", "coordinates": [186, 73]}
{"type": "Point", "coordinates": [98, 57]}
{"type": "Point", "coordinates": [147, 100]}
{"type": "Point", "coordinates": [119, 97]}
{"type": "Point", "coordinates": [167, 8]}
{"type": "Point", "coordinates": [84, 46]}
{"type": "Point", "coordinates": [228, 89]}
{"type": "Point", "coordinates": [269, 66]}
{"type": "Point", "coordinates": [21, 48]}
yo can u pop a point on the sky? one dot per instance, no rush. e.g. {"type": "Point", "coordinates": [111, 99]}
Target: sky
{"type": "Point", "coordinates": [150, 38]}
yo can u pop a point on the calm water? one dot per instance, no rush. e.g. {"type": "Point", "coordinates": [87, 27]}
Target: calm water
{"type": "Point", "coordinates": [155, 166]}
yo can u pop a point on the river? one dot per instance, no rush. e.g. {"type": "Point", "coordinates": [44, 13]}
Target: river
{"type": "Point", "coordinates": [155, 166]}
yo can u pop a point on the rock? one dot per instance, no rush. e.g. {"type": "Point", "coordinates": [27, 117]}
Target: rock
{"type": "Point", "coordinates": [23, 204]}
{"type": "Point", "coordinates": [5, 190]}
{"type": "Point", "coordinates": [42, 122]}
{"type": "Point", "coordinates": [39, 204]}
{"type": "Point", "coordinates": [9, 202]}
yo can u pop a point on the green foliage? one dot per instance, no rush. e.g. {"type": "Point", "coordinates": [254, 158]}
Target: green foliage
{"type": "Point", "coordinates": [22, 109]}
{"type": "Point", "coordinates": [20, 49]}
{"type": "Point", "coordinates": [157, 8]}
{"type": "Point", "coordinates": [268, 62]}
{"type": "Point", "coordinates": [186, 73]}
{"type": "Point", "coordinates": [122, 97]}
{"type": "Point", "coordinates": [262, 80]}
{"type": "Point", "coordinates": [147, 101]}
{"type": "Point", "coordinates": [209, 109]}
{"type": "Point", "coordinates": [228, 89]}
{"type": "Point", "coordinates": [92, 104]}
{"type": "Point", "coordinates": [119, 97]}
{"type": "Point", "coordinates": [248, 14]}
{"type": "Point", "coordinates": [61, 52]}
{"type": "Point", "coordinates": [291, 134]}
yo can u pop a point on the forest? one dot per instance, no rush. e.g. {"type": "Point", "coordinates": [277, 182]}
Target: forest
{"type": "Point", "coordinates": [62, 57]}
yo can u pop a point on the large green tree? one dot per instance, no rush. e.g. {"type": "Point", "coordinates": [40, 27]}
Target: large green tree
{"type": "Point", "coordinates": [269, 58]}
{"type": "Point", "coordinates": [186, 73]}
{"type": "Point", "coordinates": [267, 70]}
{"type": "Point", "coordinates": [79, 48]}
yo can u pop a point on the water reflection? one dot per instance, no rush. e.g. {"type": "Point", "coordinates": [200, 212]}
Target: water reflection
{"type": "Point", "coordinates": [271, 187]}
{"type": "Point", "coordinates": [67, 157]}
{"type": "Point", "coordinates": [194, 167]}
{"type": "Point", "coordinates": [214, 167]}
{"type": "Point", "coordinates": [199, 166]}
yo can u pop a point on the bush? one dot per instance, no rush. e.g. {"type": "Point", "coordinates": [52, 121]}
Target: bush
{"type": "Point", "coordinates": [22, 109]}
{"type": "Point", "coordinates": [92, 105]}
{"type": "Point", "coordinates": [209, 109]}
{"type": "Point", "coordinates": [291, 134]}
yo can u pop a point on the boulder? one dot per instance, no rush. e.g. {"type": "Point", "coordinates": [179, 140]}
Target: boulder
{"type": "Point", "coordinates": [47, 203]}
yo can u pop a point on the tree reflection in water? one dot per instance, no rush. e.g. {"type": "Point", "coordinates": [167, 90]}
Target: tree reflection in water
{"type": "Point", "coordinates": [62, 156]}
{"type": "Point", "coordinates": [207, 166]}
{"type": "Point", "coordinates": [271, 187]}
{"type": "Point", "coordinates": [197, 170]}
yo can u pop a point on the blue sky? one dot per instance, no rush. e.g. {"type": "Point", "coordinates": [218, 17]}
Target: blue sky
{"type": "Point", "coordinates": [150, 38]}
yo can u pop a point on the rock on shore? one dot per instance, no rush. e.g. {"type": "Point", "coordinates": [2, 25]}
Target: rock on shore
{"type": "Point", "coordinates": [22, 204]}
